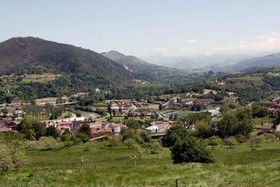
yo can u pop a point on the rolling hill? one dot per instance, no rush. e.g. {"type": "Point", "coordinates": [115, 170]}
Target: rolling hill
{"type": "Point", "coordinates": [24, 52]}
{"type": "Point", "coordinates": [267, 61]}
{"type": "Point", "coordinates": [143, 69]}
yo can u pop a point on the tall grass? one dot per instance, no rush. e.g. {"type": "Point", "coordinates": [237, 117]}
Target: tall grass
{"type": "Point", "coordinates": [115, 167]}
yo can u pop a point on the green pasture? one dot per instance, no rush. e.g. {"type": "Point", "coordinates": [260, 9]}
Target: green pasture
{"type": "Point", "coordinates": [121, 166]}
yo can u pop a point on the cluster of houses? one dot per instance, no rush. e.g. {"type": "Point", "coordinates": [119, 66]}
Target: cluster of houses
{"type": "Point", "coordinates": [123, 105]}
{"type": "Point", "coordinates": [173, 102]}
{"type": "Point", "coordinates": [12, 110]}
{"type": "Point", "coordinates": [73, 125]}
{"type": "Point", "coordinates": [126, 106]}
{"type": "Point", "coordinates": [273, 106]}
{"type": "Point", "coordinates": [7, 125]}
{"type": "Point", "coordinates": [159, 127]}
{"type": "Point", "coordinates": [106, 127]}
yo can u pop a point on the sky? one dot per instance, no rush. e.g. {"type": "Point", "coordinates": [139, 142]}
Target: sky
{"type": "Point", "coordinates": [149, 27]}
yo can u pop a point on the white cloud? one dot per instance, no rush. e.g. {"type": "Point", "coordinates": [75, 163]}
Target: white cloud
{"type": "Point", "coordinates": [190, 41]}
{"type": "Point", "coordinates": [161, 49]}
{"type": "Point", "coordinates": [260, 44]}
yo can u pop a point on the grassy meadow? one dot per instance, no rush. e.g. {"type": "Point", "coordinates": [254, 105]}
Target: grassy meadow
{"type": "Point", "coordinates": [121, 166]}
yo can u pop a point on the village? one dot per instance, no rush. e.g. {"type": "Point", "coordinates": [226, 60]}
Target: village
{"type": "Point", "coordinates": [159, 114]}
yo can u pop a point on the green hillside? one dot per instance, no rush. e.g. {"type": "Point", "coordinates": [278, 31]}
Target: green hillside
{"type": "Point", "coordinates": [117, 167]}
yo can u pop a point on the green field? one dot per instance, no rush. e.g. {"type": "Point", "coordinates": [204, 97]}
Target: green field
{"type": "Point", "coordinates": [41, 79]}
{"type": "Point", "coordinates": [248, 78]}
{"type": "Point", "coordinates": [117, 167]}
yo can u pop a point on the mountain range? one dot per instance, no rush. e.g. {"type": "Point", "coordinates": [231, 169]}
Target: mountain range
{"type": "Point", "coordinates": [216, 63]}
{"type": "Point", "coordinates": [29, 51]}
{"type": "Point", "coordinates": [266, 61]}
{"type": "Point", "coordinates": [142, 68]}
{"type": "Point", "coordinates": [111, 67]}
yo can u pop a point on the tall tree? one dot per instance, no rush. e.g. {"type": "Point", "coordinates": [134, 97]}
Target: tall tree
{"type": "Point", "coordinates": [190, 150]}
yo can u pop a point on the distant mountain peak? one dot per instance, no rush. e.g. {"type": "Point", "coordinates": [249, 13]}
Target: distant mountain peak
{"type": "Point", "coordinates": [115, 52]}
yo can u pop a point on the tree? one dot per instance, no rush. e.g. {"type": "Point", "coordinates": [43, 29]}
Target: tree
{"type": "Point", "coordinates": [230, 141]}
{"type": "Point", "coordinates": [251, 143]}
{"type": "Point", "coordinates": [109, 109]}
{"type": "Point", "coordinates": [240, 138]}
{"type": "Point", "coordinates": [113, 141]}
{"type": "Point", "coordinates": [154, 146]}
{"type": "Point", "coordinates": [82, 137]}
{"type": "Point", "coordinates": [85, 128]}
{"type": "Point", "coordinates": [133, 123]}
{"type": "Point", "coordinates": [203, 129]}
{"type": "Point", "coordinates": [173, 134]}
{"type": "Point", "coordinates": [146, 146]}
{"type": "Point", "coordinates": [130, 133]}
{"type": "Point", "coordinates": [130, 143]}
{"type": "Point", "coordinates": [269, 137]}
{"type": "Point", "coordinates": [39, 130]}
{"type": "Point", "coordinates": [31, 127]}
{"type": "Point", "coordinates": [254, 141]}
{"type": "Point", "coordinates": [145, 136]}
{"type": "Point", "coordinates": [236, 121]}
{"type": "Point", "coordinates": [52, 131]}
{"type": "Point", "coordinates": [259, 111]}
{"type": "Point", "coordinates": [160, 107]}
{"type": "Point", "coordinates": [11, 151]}
{"type": "Point", "coordinates": [190, 150]}
{"type": "Point", "coordinates": [213, 141]}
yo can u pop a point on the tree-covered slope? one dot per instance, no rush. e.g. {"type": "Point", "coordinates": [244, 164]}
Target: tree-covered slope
{"type": "Point", "coordinates": [143, 69]}
{"type": "Point", "coordinates": [20, 52]}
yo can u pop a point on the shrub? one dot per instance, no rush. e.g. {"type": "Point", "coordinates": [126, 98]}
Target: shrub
{"type": "Point", "coordinates": [44, 144]}
{"type": "Point", "coordinates": [230, 141]}
{"type": "Point", "coordinates": [145, 136]}
{"type": "Point", "coordinates": [154, 146]}
{"type": "Point", "coordinates": [11, 151]}
{"type": "Point", "coordinates": [88, 147]}
{"type": "Point", "coordinates": [113, 141]}
{"type": "Point", "coordinates": [130, 143]}
{"type": "Point", "coordinates": [190, 150]}
{"type": "Point", "coordinates": [240, 138]}
{"type": "Point", "coordinates": [213, 141]}
{"type": "Point", "coordinates": [130, 133]}
{"type": "Point", "coordinates": [83, 137]}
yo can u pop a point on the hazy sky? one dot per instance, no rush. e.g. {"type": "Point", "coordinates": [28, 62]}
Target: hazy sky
{"type": "Point", "coordinates": [148, 27]}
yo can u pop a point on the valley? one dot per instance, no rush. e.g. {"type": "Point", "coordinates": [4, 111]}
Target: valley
{"type": "Point", "coordinates": [74, 117]}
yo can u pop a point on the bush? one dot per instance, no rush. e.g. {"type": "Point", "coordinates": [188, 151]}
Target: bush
{"type": "Point", "coordinates": [44, 144]}
{"type": "Point", "coordinates": [145, 136]}
{"type": "Point", "coordinates": [213, 141]}
{"type": "Point", "coordinates": [155, 146]}
{"type": "Point", "coordinates": [83, 137]}
{"type": "Point", "coordinates": [240, 138]}
{"type": "Point", "coordinates": [190, 150]}
{"type": "Point", "coordinates": [130, 133]}
{"type": "Point", "coordinates": [89, 147]}
{"type": "Point", "coordinates": [11, 151]}
{"type": "Point", "coordinates": [130, 143]}
{"type": "Point", "coordinates": [113, 141]}
{"type": "Point", "coordinates": [230, 141]}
